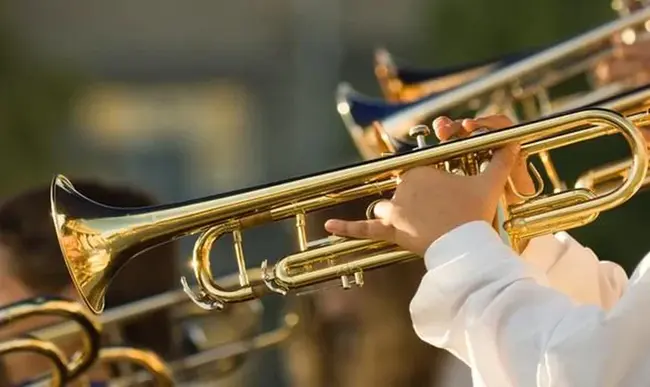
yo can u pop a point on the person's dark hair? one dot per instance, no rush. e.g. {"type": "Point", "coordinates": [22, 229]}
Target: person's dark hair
{"type": "Point", "coordinates": [27, 232]}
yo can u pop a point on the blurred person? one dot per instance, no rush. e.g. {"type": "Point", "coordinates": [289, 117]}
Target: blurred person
{"type": "Point", "coordinates": [31, 265]}
{"type": "Point", "coordinates": [496, 312]}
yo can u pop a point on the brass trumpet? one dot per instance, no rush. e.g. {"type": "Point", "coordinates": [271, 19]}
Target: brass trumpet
{"type": "Point", "coordinates": [54, 355]}
{"type": "Point", "coordinates": [63, 370]}
{"type": "Point", "coordinates": [635, 102]}
{"type": "Point", "coordinates": [97, 240]}
{"type": "Point", "coordinates": [607, 177]}
{"type": "Point", "coordinates": [407, 84]}
{"type": "Point", "coordinates": [155, 367]}
{"type": "Point", "coordinates": [225, 353]}
{"type": "Point", "coordinates": [377, 126]}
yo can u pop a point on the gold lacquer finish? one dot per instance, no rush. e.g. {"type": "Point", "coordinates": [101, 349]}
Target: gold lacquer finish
{"type": "Point", "coordinates": [55, 356]}
{"type": "Point", "coordinates": [606, 178]}
{"type": "Point", "coordinates": [63, 370]}
{"type": "Point", "coordinates": [210, 357]}
{"type": "Point", "coordinates": [97, 240]}
{"type": "Point", "coordinates": [396, 89]}
{"type": "Point", "coordinates": [526, 81]}
{"type": "Point", "coordinates": [609, 176]}
{"type": "Point", "coordinates": [152, 363]}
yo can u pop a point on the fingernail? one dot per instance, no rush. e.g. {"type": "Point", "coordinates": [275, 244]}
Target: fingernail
{"type": "Point", "coordinates": [442, 121]}
{"type": "Point", "coordinates": [332, 225]}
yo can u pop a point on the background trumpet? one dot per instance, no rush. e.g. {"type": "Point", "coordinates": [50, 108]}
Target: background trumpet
{"type": "Point", "coordinates": [74, 369]}
{"type": "Point", "coordinates": [372, 121]}
{"type": "Point", "coordinates": [212, 360]}
{"type": "Point", "coordinates": [64, 370]}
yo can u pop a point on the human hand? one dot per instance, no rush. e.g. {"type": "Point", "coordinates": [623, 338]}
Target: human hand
{"type": "Point", "coordinates": [447, 129]}
{"type": "Point", "coordinates": [628, 63]}
{"type": "Point", "coordinates": [429, 203]}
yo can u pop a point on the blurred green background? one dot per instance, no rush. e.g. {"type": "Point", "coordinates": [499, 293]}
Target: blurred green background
{"type": "Point", "coordinates": [187, 99]}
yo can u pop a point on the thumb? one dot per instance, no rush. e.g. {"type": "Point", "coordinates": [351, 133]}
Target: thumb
{"type": "Point", "coordinates": [501, 166]}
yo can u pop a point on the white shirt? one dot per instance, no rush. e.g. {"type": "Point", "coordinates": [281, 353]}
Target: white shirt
{"type": "Point", "coordinates": [498, 313]}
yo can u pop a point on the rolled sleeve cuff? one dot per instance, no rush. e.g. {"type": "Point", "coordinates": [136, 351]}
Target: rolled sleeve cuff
{"type": "Point", "coordinates": [465, 239]}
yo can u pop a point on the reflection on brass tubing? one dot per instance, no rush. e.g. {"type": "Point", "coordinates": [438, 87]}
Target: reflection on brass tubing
{"type": "Point", "coordinates": [41, 306]}
{"type": "Point", "coordinates": [608, 177]}
{"type": "Point", "coordinates": [97, 240]}
{"type": "Point", "coordinates": [225, 351]}
{"type": "Point", "coordinates": [133, 310]}
{"type": "Point", "coordinates": [56, 357]}
{"type": "Point", "coordinates": [155, 367]}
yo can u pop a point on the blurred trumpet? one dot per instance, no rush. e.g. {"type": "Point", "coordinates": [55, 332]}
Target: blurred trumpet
{"type": "Point", "coordinates": [97, 240]}
{"type": "Point", "coordinates": [155, 367]}
{"type": "Point", "coordinates": [606, 178]}
{"type": "Point", "coordinates": [406, 84]}
{"type": "Point", "coordinates": [378, 127]}
{"type": "Point", "coordinates": [63, 370]}
{"type": "Point", "coordinates": [220, 358]}
{"type": "Point", "coordinates": [223, 352]}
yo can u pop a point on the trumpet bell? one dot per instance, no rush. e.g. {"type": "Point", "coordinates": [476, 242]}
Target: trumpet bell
{"type": "Point", "coordinates": [89, 242]}
{"type": "Point", "coordinates": [404, 83]}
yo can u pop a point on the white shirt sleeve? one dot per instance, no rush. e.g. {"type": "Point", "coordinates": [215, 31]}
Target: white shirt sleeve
{"type": "Point", "coordinates": [491, 309]}
{"type": "Point", "coordinates": [575, 270]}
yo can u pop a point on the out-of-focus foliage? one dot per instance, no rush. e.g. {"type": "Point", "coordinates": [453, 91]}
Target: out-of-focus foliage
{"type": "Point", "coordinates": [465, 30]}
{"type": "Point", "coordinates": [34, 106]}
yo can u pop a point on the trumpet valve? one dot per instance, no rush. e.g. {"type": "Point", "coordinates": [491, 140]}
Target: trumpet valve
{"type": "Point", "coordinates": [356, 279]}
{"type": "Point", "coordinates": [420, 133]}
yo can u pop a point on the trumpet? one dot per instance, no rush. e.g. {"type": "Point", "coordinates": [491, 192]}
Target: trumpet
{"type": "Point", "coordinates": [377, 126]}
{"type": "Point", "coordinates": [606, 178]}
{"type": "Point", "coordinates": [50, 351]}
{"type": "Point", "coordinates": [97, 240]}
{"type": "Point", "coordinates": [224, 353]}
{"type": "Point", "coordinates": [407, 84]}
{"type": "Point", "coordinates": [155, 367]}
{"type": "Point", "coordinates": [63, 371]}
